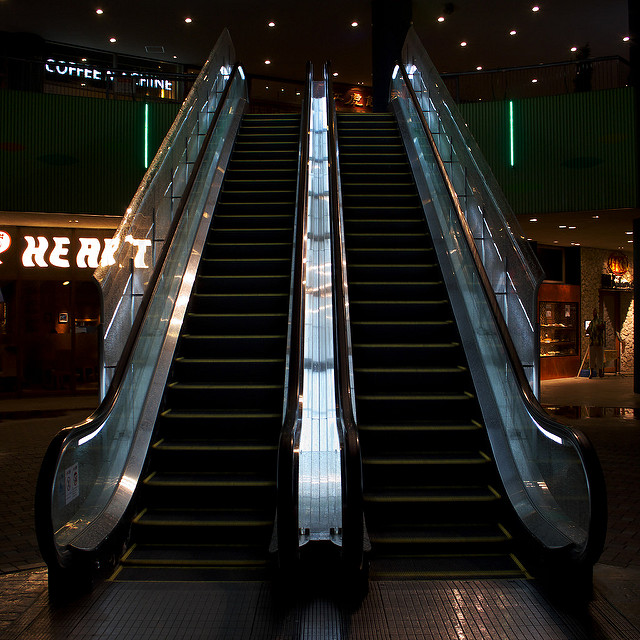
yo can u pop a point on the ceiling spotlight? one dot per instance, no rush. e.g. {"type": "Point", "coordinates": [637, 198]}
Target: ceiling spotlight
{"type": "Point", "coordinates": [463, 44]}
{"type": "Point", "coordinates": [112, 40]}
{"type": "Point", "coordinates": [99, 12]}
{"type": "Point", "coordinates": [533, 220]}
{"type": "Point", "coordinates": [354, 24]}
{"type": "Point", "coordinates": [479, 68]}
{"type": "Point", "coordinates": [562, 226]}
{"type": "Point", "coordinates": [595, 217]}
{"type": "Point", "coordinates": [629, 233]}
{"type": "Point", "coordinates": [626, 39]}
{"type": "Point", "coordinates": [534, 80]}
{"type": "Point", "coordinates": [441, 19]}
{"type": "Point", "coordinates": [536, 8]}
{"type": "Point", "coordinates": [175, 57]}
{"type": "Point", "coordinates": [574, 49]}
{"type": "Point", "coordinates": [572, 227]}
{"type": "Point", "coordinates": [267, 62]}
{"type": "Point", "coordinates": [335, 74]}
{"type": "Point", "coordinates": [512, 32]}
{"type": "Point", "coordinates": [271, 24]}
{"type": "Point", "coordinates": [188, 20]}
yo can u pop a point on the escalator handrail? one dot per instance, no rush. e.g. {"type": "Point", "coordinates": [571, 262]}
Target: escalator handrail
{"type": "Point", "coordinates": [580, 442]}
{"type": "Point", "coordinates": [46, 477]}
{"type": "Point", "coordinates": [287, 484]}
{"type": "Point", "coordinates": [352, 485]}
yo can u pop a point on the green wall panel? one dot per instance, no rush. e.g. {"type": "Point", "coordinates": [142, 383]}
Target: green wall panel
{"type": "Point", "coordinates": [85, 155]}
{"type": "Point", "coordinates": [573, 152]}
{"type": "Point", "coordinates": [74, 155]}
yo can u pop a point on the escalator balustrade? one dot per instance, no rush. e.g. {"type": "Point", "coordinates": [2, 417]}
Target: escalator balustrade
{"type": "Point", "coordinates": [206, 507]}
{"type": "Point", "coordinates": [433, 504]}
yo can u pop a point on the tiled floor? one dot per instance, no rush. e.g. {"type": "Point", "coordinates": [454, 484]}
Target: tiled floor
{"type": "Point", "coordinates": [463, 610]}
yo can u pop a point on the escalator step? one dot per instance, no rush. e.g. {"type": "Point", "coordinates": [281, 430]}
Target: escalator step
{"type": "Point", "coordinates": [448, 567]}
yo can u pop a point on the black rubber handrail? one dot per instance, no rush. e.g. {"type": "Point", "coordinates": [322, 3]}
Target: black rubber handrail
{"type": "Point", "coordinates": [590, 463]}
{"type": "Point", "coordinates": [46, 477]}
{"type": "Point", "coordinates": [287, 470]}
{"type": "Point", "coordinates": [353, 532]}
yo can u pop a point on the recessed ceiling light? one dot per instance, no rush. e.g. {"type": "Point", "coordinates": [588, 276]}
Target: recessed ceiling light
{"type": "Point", "coordinates": [267, 62]}
{"type": "Point", "coordinates": [441, 19]}
{"type": "Point", "coordinates": [99, 12]}
{"type": "Point", "coordinates": [595, 217]}
{"type": "Point", "coordinates": [536, 8]}
{"type": "Point", "coordinates": [463, 44]}
{"type": "Point", "coordinates": [112, 40]}
{"type": "Point", "coordinates": [335, 74]}
{"type": "Point", "coordinates": [271, 24]}
{"type": "Point", "coordinates": [629, 233]}
{"type": "Point", "coordinates": [188, 20]}
{"type": "Point", "coordinates": [479, 68]}
{"type": "Point", "coordinates": [572, 227]}
{"type": "Point", "coordinates": [626, 39]}
{"type": "Point", "coordinates": [534, 80]}
{"type": "Point", "coordinates": [533, 220]}
{"type": "Point", "coordinates": [354, 23]}
{"type": "Point", "coordinates": [574, 49]}
{"type": "Point", "coordinates": [175, 57]}
{"type": "Point", "coordinates": [555, 242]}
{"type": "Point", "coordinates": [562, 226]}
{"type": "Point", "coordinates": [629, 241]}
{"type": "Point", "coordinates": [84, 59]}
{"type": "Point", "coordinates": [512, 32]}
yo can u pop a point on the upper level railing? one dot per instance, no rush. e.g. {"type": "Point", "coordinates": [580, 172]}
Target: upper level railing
{"type": "Point", "coordinates": [509, 262]}
{"type": "Point", "coordinates": [125, 271]}
{"type": "Point", "coordinates": [532, 81]}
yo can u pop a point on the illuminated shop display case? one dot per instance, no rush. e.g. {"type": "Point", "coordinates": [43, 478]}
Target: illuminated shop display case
{"type": "Point", "coordinates": [559, 322]}
{"type": "Point", "coordinates": [558, 329]}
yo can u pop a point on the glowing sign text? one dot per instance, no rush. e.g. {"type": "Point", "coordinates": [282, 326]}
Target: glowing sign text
{"type": "Point", "coordinates": [84, 72]}
{"type": "Point", "coordinates": [91, 253]}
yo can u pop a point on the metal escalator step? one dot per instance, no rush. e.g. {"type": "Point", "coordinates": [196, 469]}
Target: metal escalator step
{"type": "Point", "coordinates": [472, 425]}
{"type": "Point", "coordinates": [448, 494]}
{"type": "Point", "coordinates": [416, 370]}
{"type": "Point", "coordinates": [445, 458]}
{"type": "Point", "coordinates": [203, 479]}
{"type": "Point", "coordinates": [221, 387]}
{"type": "Point", "coordinates": [207, 445]}
{"type": "Point", "coordinates": [455, 533]}
{"type": "Point", "coordinates": [448, 567]}
{"type": "Point", "coordinates": [194, 555]}
{"type": "Point", "coordinates": [200, 518]}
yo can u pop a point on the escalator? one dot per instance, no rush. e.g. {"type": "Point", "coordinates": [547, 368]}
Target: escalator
{"type": "Point", "coordinates": [206, 507]}
{"type": "Point", "coordinates": [433, 501]}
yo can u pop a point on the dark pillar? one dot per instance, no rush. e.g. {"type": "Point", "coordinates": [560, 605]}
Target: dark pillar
{"type": "Point", "coordinates": [390, 23]}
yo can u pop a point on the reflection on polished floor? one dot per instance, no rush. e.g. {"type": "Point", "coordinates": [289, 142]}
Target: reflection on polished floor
{"type": "Point", "coordinates": [461, 609]}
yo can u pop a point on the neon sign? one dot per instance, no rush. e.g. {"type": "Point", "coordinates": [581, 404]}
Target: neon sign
{"type": "Point", "coordinates": [89, 253]}
{"type": "Point", "coordinates": [72, 69]}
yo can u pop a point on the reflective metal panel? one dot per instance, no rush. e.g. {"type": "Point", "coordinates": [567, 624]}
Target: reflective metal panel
{"type": "Point", "coordinates": [319, 489]}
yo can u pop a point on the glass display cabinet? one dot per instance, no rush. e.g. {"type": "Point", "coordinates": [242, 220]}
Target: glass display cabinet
{"type": "Point", "coordinates": [558, 328]}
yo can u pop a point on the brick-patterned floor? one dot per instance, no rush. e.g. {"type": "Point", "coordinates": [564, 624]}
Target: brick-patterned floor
{"type": "Point", "coordinates": [26, 428]}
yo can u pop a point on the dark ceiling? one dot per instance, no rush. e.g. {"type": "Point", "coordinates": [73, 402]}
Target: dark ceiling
{"type": "Point", "coordinates": [318, 31]}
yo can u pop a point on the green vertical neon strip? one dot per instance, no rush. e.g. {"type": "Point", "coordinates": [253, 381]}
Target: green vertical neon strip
{"type": "Point", "coordinates": [511, 143]}
{"type": "Point", "coordinates": [146, 136]}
